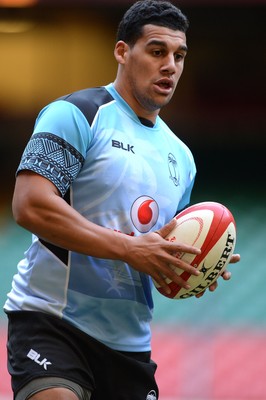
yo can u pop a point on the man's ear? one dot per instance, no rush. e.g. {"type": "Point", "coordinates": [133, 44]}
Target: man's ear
{"type": "Point", "coordinates": [120, 51]}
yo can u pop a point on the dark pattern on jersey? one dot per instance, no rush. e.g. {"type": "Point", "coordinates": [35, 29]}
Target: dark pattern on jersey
{"type": "Point", "coordinates": [53, 158]}
{"type": "Point", "coordinates": [89, 100]}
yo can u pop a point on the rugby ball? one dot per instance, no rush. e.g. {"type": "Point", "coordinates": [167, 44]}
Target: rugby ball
{"type": "Point", "coordinates": [211, 227]}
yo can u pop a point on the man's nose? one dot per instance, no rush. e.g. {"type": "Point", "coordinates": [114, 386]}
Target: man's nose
{"type": "Point", "coordinates": [169, 64]}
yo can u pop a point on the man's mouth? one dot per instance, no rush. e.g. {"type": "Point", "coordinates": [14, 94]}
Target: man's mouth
{"type": "Point", "coordinates": [164, 85]}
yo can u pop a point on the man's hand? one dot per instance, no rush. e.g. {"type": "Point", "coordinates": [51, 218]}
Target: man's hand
{"type": "Point", "coordinates": [154, 255]}
{"type": "Point", "coordinates": [226, 275]}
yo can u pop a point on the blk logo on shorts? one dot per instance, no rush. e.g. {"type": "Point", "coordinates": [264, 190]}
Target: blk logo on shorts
{"type": "Point", "coordinates": [35, 356]}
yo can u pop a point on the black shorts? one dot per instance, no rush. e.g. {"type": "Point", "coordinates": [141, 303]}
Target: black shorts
{"type": "Point", "coordinates": [40, 345]}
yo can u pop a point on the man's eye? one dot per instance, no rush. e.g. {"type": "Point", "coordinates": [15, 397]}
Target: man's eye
{"type": "Point", "coordinates": [157, 53]}
{"type": "Point", "coordinates": [179, 56]}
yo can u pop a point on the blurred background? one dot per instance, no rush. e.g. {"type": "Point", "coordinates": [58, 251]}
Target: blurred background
{"type": "Point", "coordinates": [213, 348]}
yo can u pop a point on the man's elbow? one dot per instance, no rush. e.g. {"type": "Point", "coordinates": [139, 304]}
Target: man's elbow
{"type": "Point", "coordinates": [21, 212]}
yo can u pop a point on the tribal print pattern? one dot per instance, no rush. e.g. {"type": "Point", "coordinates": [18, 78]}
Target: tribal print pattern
{"type": "Point", "coordinates": [53, 158]}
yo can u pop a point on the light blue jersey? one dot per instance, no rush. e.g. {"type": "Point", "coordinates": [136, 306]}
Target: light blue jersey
{"type": "Point", "coordinates": [120, 174]}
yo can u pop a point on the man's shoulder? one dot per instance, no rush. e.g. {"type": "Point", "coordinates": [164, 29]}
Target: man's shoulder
{"type": "Point", "coordinates": [89, 100]}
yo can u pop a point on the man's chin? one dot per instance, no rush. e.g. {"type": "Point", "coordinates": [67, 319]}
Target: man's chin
{"type": "Point", "coordinates": [163, 101]}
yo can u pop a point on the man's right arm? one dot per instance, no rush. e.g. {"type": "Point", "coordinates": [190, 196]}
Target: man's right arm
{"type": "Point", "coordinates": [39, 208]}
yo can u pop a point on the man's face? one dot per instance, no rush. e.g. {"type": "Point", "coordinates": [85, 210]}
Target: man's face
{"type": "Point", "coordinates": [152, 68]}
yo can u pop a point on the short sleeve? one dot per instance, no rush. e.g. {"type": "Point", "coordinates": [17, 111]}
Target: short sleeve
{"type": "Point", "coordinates": [58, 146]}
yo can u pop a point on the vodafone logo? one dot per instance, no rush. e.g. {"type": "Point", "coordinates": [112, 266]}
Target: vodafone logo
{"type": "Point", "coordinates": [144, 213]}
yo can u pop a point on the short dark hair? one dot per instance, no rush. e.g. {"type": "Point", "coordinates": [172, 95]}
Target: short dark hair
{"type": "Point", "coordinates": [155, 12]}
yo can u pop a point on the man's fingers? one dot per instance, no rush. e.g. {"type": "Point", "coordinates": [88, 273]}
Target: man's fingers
{"type": "Point", "coordinates": [166, 229]}
{"type": "Point", "coordinates": [226, 275]}
{"type": "Point", "coordinates": [235, 258]}
{"type": "Point", "coordinates": [162, 282]}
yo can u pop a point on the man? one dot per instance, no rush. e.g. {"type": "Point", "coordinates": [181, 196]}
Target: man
{"type": "Point", "coordinates": [94, 187]}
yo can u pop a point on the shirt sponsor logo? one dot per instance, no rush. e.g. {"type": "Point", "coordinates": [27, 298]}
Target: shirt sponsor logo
{"type": "Point", "coordinates": [144, 213]}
